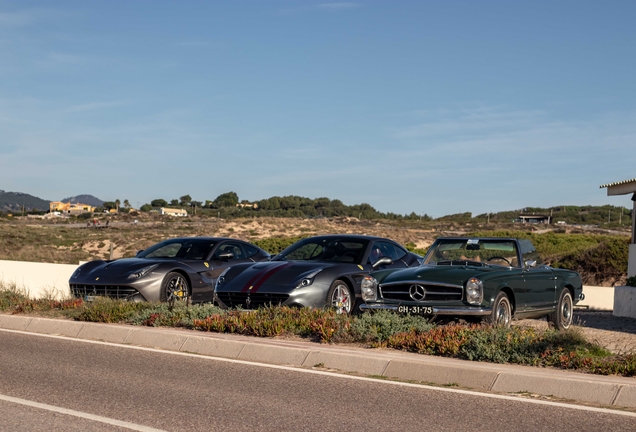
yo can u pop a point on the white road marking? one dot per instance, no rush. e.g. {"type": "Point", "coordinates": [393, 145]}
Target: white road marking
{"type": "Point", "coordinates": [92, 417]}
{"type": "Point", "coordinates": [342, 375]}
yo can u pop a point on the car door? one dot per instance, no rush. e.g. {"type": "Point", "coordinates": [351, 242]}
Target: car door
{"type": "Point", "coordinates": [539, 279]}
{"type": "Point", "coordinates": [216, 264]}
{"type": "Point", "coordinates": [540, 288]}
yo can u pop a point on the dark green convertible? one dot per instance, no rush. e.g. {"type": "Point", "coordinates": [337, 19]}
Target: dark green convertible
{"type": "Point", "coordinates": [493, 279]}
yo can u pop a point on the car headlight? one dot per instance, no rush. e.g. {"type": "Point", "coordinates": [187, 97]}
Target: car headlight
{"type": "Point", "coordinates": [474, 291]}
{"type": "Point", "coordinates": [369, 288]}
{"type": "Point", "coordinates": [142, 272]}
{"type": "Point", "coordinates": [221, 279]}
{"type": "Point", "coordinates": [308, 279]}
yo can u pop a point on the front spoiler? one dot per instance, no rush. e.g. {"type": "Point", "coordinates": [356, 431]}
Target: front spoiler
{"type": "Point", "coordinates": [436, 310]}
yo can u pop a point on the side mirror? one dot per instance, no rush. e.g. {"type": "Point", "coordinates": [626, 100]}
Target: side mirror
{"type": "Point", "coordinates": [531, 264]}
{"type": "Point", "coordinates": [382, 261]}
{"type": "Point", "coordinates": [225, 256]}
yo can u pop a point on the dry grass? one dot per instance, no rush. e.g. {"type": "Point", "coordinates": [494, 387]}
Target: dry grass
{"type": "Point", "coordinates": [72, 242]}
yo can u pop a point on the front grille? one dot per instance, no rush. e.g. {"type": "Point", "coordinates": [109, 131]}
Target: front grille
{"type": "Point", "coordinates": [112, 291]}
{"type": "Point", "coordinates": [434, 293]}
{"type": "Point", "coordinates": [256, 300]}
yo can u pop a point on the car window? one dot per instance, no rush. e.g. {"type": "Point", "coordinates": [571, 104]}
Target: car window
{"type": "Point", "coordinates": [306, 252]}
{"type": "Point", "coordinates": [385, 249]}
{"type": "Point", "coordinates": [474, 251]}
{"type": "Point", "coordinates": [328, 249]}
{"type": "Point", "coordinates": [195, 249]}
{"type": "Point", "coordinates": [249, 250]}
{"type": "Point", "coordinates": [232, 247]}
{"type": "Point", "coordinates": [529, 253]}
{"type": "Point", "coordinates": [165, 251]}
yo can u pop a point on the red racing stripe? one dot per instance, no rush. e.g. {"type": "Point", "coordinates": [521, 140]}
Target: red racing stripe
{"type": "Point", "coordinates": [269, 273]}
{"type": "Point", "coordinates": [259, 277]}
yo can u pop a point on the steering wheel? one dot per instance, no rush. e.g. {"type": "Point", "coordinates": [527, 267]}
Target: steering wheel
{"type": "Point", "coordinates": [501, 258]}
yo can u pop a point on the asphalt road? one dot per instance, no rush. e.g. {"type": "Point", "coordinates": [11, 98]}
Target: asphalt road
{"type": "Point", "coordinates": [105, 384]}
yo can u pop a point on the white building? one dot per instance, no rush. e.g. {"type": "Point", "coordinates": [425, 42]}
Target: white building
{"type": "Point", "coordinates": [173, 212]}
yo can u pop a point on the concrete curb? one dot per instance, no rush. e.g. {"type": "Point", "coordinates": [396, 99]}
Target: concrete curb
{"type": "Point", "coordinates": [604, 390]}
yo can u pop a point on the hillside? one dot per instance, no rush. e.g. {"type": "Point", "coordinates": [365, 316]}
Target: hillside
{"type": "Point", "coordinates": [84, 199]}
{"type": "Point", "coordinates": [16, 201]}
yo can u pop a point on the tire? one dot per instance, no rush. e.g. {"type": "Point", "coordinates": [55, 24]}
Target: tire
{"type": "Point", "coordinates": [501, 314]}
{"type": "Point", "coordinates": [341, 297]}
{"type": "Point", "coordinates": [175, 288]}
{"type": "Point", "coordinates": [563, 316]}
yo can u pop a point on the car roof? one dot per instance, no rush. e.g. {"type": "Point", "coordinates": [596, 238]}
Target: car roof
{"type": "Point", "coordinates": [204, 238]}
{"type": "Point", "coordinates": [477, 237]}
{"type": "Point", "coordinates": [352, 236]}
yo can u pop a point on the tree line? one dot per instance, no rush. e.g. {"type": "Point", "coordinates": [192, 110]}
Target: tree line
{"type": "Point", "coordinates": [229, 205]}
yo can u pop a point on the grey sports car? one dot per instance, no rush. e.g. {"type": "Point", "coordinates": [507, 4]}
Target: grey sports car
{"type": "Point", "coordinates": [174, 269]}
{"type": "Point", "coordinates": [323, 271]}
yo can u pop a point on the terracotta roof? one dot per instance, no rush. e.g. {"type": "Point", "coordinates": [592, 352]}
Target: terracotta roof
{"type": "Point", "coordinates": [617, 183]}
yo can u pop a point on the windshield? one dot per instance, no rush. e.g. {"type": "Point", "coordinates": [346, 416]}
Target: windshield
{"type": "Point", "coordinates": [194, 249]}
{"type": "Point", "coordinates": [473, 252]}
{"type": "Point", "coordinates": [327, 249]}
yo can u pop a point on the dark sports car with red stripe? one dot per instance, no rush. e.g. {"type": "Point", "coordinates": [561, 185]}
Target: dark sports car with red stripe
{"type": "Point", "coordinates": [323, 271]}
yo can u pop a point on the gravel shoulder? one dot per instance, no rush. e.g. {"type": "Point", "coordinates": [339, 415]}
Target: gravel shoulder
{"type": "Point", "coordinates": [617, 334]}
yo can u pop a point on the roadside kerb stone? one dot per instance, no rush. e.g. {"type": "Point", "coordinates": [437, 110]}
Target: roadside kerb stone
{"type": "Point", "coordinates": [273, 354]}
{"type": "Point", "coordinates": [552, 385]}
{"type": "Point", "coordinates": [626, 396]}
{"type": "Point", "coordinates": [11, 322]}
{"type": "Point", "coordinates": [463, 376]}
{"type": "Point", "coordinates": [214, 347]}
{"type": "Point", "coordinates": [364, 364]}
{"type": "Point", "coordinates": [105, 333]}
{"type": "Point", "coordinates": [156, 339]}
{"type": "Point", "coordinates": [55, 327]}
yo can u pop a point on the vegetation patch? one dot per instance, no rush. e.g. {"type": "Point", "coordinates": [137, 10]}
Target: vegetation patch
{"type": "Point", "coordinates": [517, 345]}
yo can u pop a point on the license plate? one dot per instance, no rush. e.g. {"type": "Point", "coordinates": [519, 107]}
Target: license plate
{"type": "Point", "coordinates": [415, 310]}
{"type": "Point", "coordinates": [90, 298]}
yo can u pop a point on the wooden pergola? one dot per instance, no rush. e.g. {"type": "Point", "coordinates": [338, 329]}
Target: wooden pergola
{"type": "Point", "coordinates": [626, 187]}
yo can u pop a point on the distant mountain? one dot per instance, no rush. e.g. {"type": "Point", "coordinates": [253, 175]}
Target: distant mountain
{"type": "Point", "coordinates": [85, 199]}
{"type": "Point", "coordinates": [15, 201]}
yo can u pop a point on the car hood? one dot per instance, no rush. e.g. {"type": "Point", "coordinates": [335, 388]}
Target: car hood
{"type": "Point", "coordinates": [276, 273]}
{"type": "Point", "coordinates": [442, 274]}
{"type": "Point", "coordinates": [120, 266]}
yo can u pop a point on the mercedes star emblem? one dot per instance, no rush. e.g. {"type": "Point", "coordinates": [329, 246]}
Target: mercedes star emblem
{"type": "Point", "coordinates": [417, 292]}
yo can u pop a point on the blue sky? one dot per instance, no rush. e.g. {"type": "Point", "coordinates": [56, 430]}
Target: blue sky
{"type": "Point", "coordinates": [433, 107]}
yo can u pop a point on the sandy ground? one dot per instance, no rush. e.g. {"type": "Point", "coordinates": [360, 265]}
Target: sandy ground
{"type": "Point", "coordinates": [617, 334]}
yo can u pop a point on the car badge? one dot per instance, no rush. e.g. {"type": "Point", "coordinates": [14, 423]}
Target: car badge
{"type": "Point", "coordinates": [417, 292]}
{"type": "Point", "coordinates": [96, 278]}
{"type": "Point", "coordinates": [251, 287]}
{"type": "Point", "coordinates": [361, 268]}
{"type": "Point", "coordinates": [206, 264]}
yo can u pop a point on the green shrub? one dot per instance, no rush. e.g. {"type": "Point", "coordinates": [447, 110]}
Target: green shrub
{"type": "Point", "coordinates": [631, 281]}
{"type": "Point", "coordinates": [109, 311]}
{"type": "Point", "coordinates": [275, 245]}
{"type": "Point", "coordinates": [379, 326]}
{"type": "Point", "coordinates": [178, 316]}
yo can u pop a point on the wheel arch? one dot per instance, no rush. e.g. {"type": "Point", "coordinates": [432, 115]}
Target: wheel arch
{"type": "Point", "coordinates": [511, 296]}
{"type": "Point", "coordinates": [185, 274]}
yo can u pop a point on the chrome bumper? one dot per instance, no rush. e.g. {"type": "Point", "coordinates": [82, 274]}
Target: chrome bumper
{"type": "Point", "coordinates": [436, 310]}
